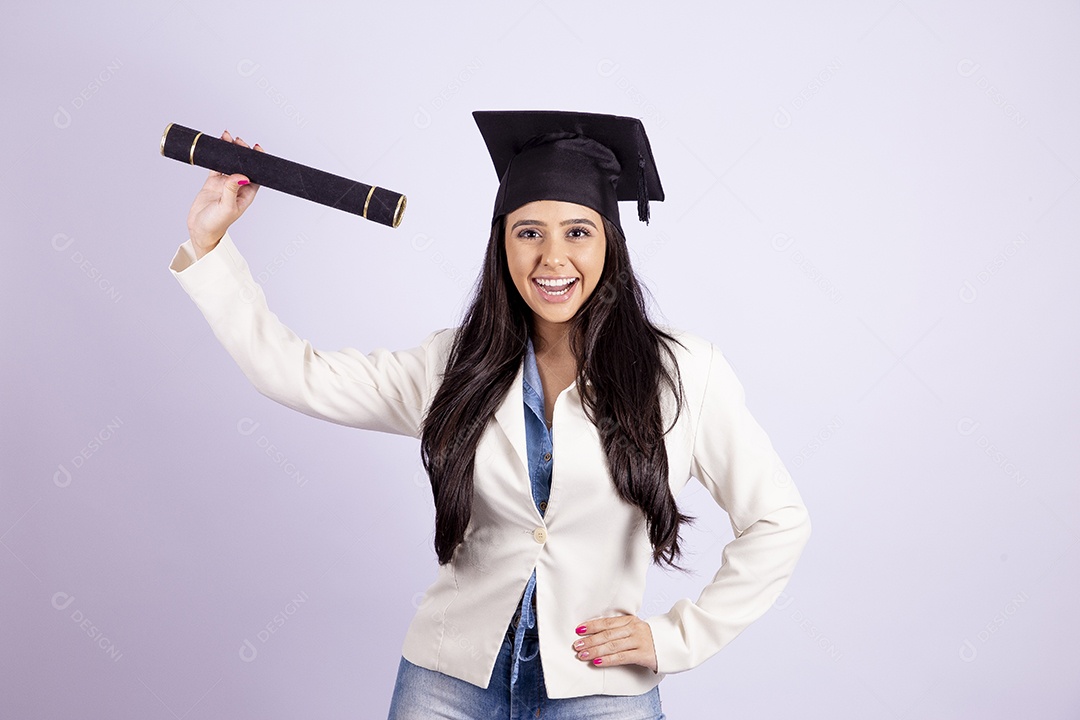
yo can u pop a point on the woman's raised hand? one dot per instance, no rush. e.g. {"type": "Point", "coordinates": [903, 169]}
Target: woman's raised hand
{"type": "Point", "coordinates": [222, 200]}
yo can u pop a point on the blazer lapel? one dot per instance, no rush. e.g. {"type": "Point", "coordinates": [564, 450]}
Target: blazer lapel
{"type": "Point", "coordinates": [511, 418]}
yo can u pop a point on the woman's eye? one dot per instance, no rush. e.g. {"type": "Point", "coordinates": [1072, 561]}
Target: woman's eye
{"type": "Point", "coordinates": [577, 232]}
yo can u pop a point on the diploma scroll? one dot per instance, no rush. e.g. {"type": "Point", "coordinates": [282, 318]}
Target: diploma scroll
{"type": "Point", "coordinates": [368, 201]}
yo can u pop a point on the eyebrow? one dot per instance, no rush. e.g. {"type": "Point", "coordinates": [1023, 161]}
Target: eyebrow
{"type": "Point", "coordinates": [575, 221]}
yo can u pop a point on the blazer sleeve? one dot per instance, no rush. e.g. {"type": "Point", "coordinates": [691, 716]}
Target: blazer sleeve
{"type": "Point", "coordinates": [735, 460]}
{"type": "Point", "coordinates": [384, 391]}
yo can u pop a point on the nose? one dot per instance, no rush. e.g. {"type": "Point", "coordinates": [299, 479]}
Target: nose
{"type": "Point", "coordinates": [553, 254]}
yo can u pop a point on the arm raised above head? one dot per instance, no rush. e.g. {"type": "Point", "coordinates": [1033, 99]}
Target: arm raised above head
{"type": "Point", "coordinates": [381, 390]}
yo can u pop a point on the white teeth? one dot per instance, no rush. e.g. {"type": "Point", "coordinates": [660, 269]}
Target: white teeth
{"type": "Point", "coordinates": [549, 285]}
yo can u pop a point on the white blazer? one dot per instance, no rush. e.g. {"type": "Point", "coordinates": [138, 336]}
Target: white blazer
{"type": "Point", "coordinates": [590, 549]}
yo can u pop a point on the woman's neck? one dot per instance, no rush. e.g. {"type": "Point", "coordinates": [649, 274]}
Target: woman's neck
{"type": "Point", "coordinates": [555, 362]}
{"type": "Point", "coordinates": [552, 342]}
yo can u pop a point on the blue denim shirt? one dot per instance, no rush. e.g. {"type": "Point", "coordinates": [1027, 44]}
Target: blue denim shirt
{"type": "Point", "coordinates": [538, 444]}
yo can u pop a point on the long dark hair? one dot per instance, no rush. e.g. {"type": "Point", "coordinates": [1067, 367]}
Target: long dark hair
{"type": "Point", "coordinates": [619, 351]}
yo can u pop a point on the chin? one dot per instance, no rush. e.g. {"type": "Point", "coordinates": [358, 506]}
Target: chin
{"type": "Point", "coordinates": [556, 319]}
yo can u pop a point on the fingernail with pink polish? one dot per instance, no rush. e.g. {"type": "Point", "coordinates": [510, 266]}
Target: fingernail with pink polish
{"type": "Point", "coordinates": [242, 182]}
{"type": "Point", "coordinates": [597, 661]}
{"type": "Point", "coordinates": [581, 630]}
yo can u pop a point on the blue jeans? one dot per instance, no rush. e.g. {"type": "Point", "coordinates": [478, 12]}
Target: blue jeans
{"type": "Point", "coordinates": [421, 694]}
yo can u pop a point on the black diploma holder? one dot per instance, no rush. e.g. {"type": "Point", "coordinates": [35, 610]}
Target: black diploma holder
{"type": "Point", "coordinates": [368, 201]}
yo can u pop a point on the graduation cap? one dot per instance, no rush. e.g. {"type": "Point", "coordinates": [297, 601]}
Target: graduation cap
{"type": "Point", "coordinates": [585, 158]}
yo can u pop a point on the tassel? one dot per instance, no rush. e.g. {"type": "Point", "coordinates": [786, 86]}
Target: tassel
{"type": "Point", "coordinates": [642, 192]}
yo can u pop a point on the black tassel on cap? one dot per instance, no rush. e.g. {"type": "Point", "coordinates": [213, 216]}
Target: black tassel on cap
{"type": "Point", "coordinates": [642, 192]}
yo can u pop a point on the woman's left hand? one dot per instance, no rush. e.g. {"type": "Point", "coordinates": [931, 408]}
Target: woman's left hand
{"type": "Point", "coordinates": [618, 640]}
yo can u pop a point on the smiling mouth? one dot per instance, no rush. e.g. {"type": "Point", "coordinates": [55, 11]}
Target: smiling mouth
{"type": "Point", "coordinates": [555, 287]}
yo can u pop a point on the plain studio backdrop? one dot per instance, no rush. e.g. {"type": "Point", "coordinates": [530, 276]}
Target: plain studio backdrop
{"type": "Point", "coordinates": [871, 209]}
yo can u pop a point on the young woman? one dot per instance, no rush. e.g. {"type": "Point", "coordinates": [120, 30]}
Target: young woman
{"type": "Point", "coordinates": [557, 425]}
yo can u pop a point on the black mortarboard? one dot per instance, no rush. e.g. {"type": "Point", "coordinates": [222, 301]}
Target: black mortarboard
{"type": "Point", "coordinates": [585, 158]}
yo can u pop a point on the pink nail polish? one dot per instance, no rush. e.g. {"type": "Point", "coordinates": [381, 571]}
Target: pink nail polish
{"type": "Point", "coordinates": [597, 661]}
{"type": "Point", "coordinates": [581, 630]}
{"type": "Point", "coordinates": [242, 182]}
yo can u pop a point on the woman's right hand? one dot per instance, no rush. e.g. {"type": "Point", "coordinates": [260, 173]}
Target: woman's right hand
{"type": "Point", "coordinates": [219, 204]}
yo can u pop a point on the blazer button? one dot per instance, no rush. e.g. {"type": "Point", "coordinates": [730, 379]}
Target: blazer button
{"type": "Point", "coordinates": [547, 457]}
{"type": "Point", "coordinates": [540, 535]}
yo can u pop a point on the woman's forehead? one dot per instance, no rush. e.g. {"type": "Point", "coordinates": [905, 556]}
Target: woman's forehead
{"type": "Point", "coordinates": [557, 209]}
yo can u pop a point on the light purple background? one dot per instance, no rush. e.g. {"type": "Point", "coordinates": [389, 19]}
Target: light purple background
{"type": "Point", "coordinates": [871, 208]}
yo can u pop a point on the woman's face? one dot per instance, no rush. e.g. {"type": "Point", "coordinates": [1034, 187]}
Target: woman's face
{"type": "Point", "coordinates": [555, 251]}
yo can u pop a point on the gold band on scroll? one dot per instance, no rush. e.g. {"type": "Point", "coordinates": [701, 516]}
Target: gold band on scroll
{"type": "Point", "coordinates": [367, 200]}
{"type": "Point", "coordinates": [399, 211]}
{"type": "Point", "coordinates": [163, 136]}
{"type": "Point", "coordinates": [191, 154]}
